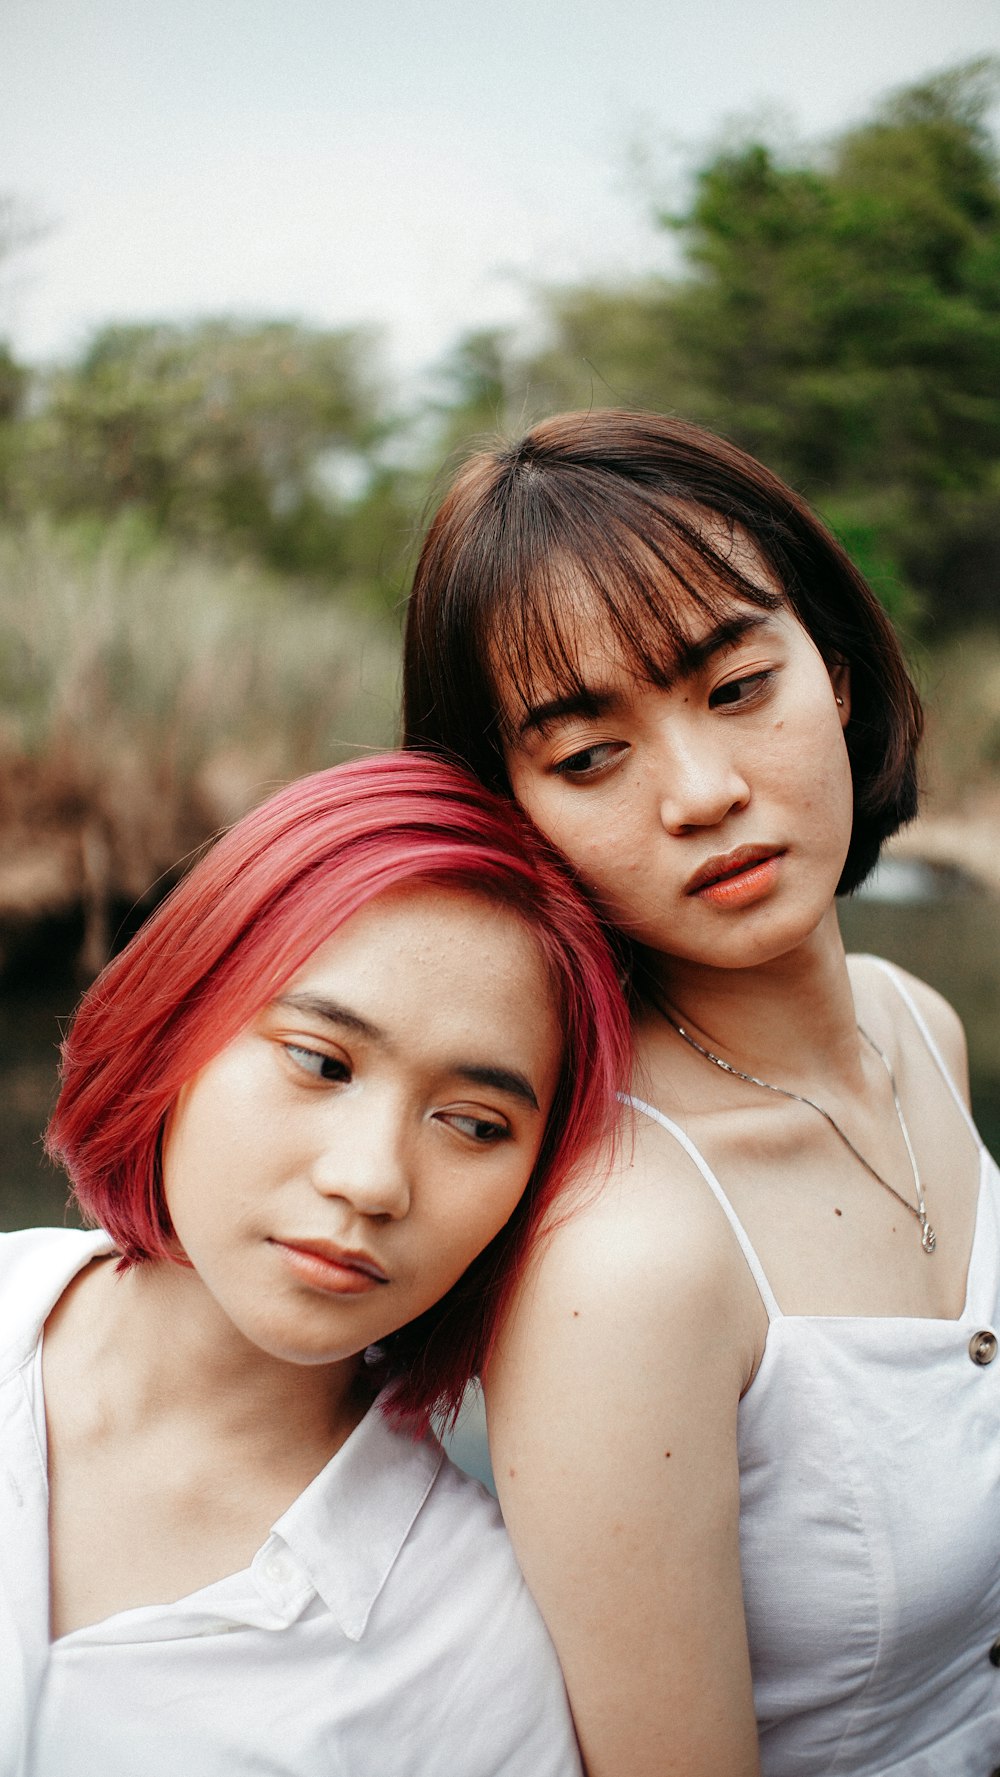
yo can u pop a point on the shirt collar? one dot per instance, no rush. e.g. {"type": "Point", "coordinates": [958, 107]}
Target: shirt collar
{"type": "Point", "coordinates": [36, 1267]}
{"type": "Point", "coordinates": [347, 1528]}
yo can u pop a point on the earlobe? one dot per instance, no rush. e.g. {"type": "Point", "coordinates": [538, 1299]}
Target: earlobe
{"type": "Point", "coordinates": [840, 679]}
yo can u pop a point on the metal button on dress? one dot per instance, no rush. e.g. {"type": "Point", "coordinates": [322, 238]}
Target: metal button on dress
{"type": "Point", "coordinates": [983, 1347]}
{"type": "Point", "coordinates": [995, 1653]}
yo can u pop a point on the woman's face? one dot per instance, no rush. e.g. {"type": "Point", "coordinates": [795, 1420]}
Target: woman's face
{"type": "Point", "coordinates": [333, 1171]}
{"type": "Point", "coordinates": [710, 819]}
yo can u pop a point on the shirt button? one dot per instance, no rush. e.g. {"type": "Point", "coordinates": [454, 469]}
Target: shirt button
{"type": "Point", "coordinates": [983, 1347]}
{"type": "Point", "coordinates": [995, 1653]}
{"type": "Point", "coordinates": [277, 1568]}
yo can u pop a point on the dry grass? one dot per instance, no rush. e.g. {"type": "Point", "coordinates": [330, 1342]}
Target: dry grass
{"type": "Point", "coordinates": [149, 697]}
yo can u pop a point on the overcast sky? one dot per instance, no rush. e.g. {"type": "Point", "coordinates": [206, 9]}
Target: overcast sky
{"type": "Point", "coordinates": [414, 163]}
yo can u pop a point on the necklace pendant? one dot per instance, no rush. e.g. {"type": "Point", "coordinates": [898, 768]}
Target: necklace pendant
{"type": "Point", "coordinates": [928, 1238]}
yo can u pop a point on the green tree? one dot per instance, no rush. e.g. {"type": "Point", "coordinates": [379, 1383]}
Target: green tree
{"type": "Point", "coordinates": [846, 321]}
{"type": "Point", "coordinates": [840, 316]}
{"type": "Point", "coordinates": [265, 438]}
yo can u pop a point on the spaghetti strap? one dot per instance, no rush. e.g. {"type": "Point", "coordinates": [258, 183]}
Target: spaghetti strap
{"type": "Point", "coordinates": [746, 1246]}
{"type": "Point", "coordinates": [892, 974]}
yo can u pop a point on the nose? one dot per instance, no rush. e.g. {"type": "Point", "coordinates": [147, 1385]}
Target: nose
{"type": "Point", "coordinates": [701, 782]}
{"type": "Point", "coordinates": [362, 1157]}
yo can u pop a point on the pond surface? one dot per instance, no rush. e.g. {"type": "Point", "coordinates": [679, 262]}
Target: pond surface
{"type": "Point", "coordinates": [952, 941]}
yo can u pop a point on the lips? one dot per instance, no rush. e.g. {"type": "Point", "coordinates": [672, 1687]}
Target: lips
{"type": "Point", "coordinates": [731, 864]}
{"type": "Point", "coordinates": [331, 1266]}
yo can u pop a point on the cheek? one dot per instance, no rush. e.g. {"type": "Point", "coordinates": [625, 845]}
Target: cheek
{"type": "Point", "coordinates": [578, 824]}
{"type": "Point", "coordinates": [180, 1143]}
{"type": "Point", "coordinates": [464, 1225]}
{"type": "Point", "coordinates": [833, 764]}
{"type": "Point", "coordinates": [208, 1150]}
{"type": "Point", "coordinates": [616, 854]}
{"type": "Point", "coordinates": [826, 788]}
{"type": "Point", "coordinates": [542, 800]}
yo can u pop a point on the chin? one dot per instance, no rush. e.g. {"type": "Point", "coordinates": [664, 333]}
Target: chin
{"type": "Point", "coordinates": [285, 1345]}
{"type": "Point", "coordinates": [768, 941]}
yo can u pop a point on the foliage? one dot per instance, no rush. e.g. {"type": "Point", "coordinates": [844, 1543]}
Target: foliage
{"type": "Point", "coordinates": [840, 316]}
{"type": "Point", "coordinates": [474, 391]}
{"type": "Point", "coordinates": [262, 439]}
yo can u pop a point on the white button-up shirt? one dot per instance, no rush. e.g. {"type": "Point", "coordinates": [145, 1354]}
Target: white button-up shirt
{"type": "Point", "coordinates": [383, 1629]}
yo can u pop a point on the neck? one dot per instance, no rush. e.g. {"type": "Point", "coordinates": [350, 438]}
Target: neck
{"type": "Point", "coordinates": [791, 1018]}
{"type": "Point", "coordinates": [163, 1349]}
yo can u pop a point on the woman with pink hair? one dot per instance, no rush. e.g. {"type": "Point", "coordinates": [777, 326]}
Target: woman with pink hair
{"type": "Point", "coordinates": [317, 1111]}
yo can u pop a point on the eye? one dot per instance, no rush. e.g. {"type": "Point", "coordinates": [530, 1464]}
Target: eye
{"type": "Point", "coordinates": [590, 761]}
{"type": "Point", "coordinates": [318, 1063]}
{"type": "Point", "coordinates": [485, 1131]}
{"type": "Point", "coordinates": [745, 690]}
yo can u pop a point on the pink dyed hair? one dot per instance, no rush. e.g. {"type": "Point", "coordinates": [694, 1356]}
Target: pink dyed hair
{"type": "Point", "coordinates": [244, 920]}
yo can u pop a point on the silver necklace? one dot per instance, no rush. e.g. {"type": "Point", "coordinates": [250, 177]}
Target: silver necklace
{"type": "Point", "coordinates": [928, 1238]}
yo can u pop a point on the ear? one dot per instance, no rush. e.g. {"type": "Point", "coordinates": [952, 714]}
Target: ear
{"type": "Point", "coordinates": [840, 679]}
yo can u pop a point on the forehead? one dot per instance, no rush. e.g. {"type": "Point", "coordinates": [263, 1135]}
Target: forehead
{"type": "Point", "coordinates": [460, 948]}
{"type": "Point", "coordinates": [409, 921]}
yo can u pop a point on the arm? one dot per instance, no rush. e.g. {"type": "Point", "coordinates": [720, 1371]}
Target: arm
{"type": "Point", "coordinates": [612, 1402]}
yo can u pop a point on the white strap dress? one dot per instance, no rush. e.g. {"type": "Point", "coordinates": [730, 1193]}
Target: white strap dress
{"type": "Point", "coordinates": [869, 1453]}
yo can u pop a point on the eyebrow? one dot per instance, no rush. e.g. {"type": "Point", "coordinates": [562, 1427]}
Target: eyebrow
{"type": "Point", "coordinates": [499, 1079]}
{"type": "Point", "coordinates": [691, 658]}
{"type": "Point", "coordinates": [320, 1007]}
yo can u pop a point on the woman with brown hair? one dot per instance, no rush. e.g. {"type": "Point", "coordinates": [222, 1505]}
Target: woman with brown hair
{"type": "Point", "coordinates": [744, 1410]}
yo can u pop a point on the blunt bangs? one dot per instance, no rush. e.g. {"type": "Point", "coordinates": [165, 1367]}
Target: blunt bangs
{"type": "Point", "coordinates": [644, 564]}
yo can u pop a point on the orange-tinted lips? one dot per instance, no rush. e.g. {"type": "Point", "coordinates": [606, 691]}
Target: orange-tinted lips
{"type": "Point", "coordinates": [340, 1262]}
{"type": "Point", "coordinates": [730, 864]}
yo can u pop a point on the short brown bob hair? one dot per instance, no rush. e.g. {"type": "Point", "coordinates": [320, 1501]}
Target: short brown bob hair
{"type": "Point", "coordinates": [615, 503]}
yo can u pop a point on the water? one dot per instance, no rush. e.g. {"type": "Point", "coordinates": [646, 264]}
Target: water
{"type": "Point", "coordinates": [951, 940]}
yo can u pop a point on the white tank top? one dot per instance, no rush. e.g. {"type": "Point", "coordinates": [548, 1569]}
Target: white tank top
{"type": "Point", "coordinates": [869, 1454]}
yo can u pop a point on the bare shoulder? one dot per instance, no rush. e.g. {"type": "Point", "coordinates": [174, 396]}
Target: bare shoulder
{"type": "Point", "coordinates": [642, 1240]}
{"type": "Point", "coordinates": [941, 1019]}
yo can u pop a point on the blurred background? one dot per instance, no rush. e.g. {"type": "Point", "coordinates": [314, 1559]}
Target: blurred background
{"type": "Point", "coordinates": [267, 265]}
